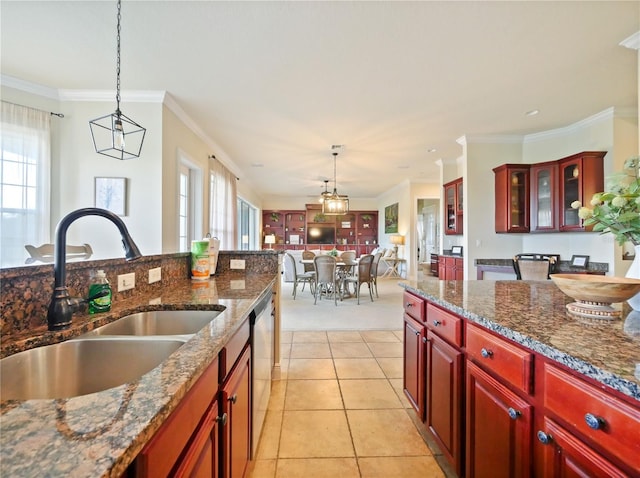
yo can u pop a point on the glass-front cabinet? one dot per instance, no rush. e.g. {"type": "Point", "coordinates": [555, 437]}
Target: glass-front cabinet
{"type": "Point", "coordinates": [581, 176]}
{"type": "Point", "coordinates": [453, 207]}
{"type": "Point", "coordinates": [512, 198]}
{"type": "Point", "coordinates": [544, 197]}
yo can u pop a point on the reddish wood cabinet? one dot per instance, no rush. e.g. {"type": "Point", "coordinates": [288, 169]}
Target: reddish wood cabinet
{"type": "Point", "coordinates": [453, 207]}
{"type": "Point", "coordinates": [450, 268]}
{"type": "Point", "coordinates": [512, 198]}
{"type": "Point", "coordinates": [544, 197]}
{"type": "Point", "coordinates": [413, 363]}
{"type": "Point", "coordinates": [581, 176]}
{"type": "Point", "coordinates": [498, 428]}
{"type": "Point", "coordinates": [236, 404]}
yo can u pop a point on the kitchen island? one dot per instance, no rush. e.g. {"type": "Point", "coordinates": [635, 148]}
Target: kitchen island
{"type": "Point", "coordinates": [102, 433]}
{"type": "Point", "coordinates": [509, 385]}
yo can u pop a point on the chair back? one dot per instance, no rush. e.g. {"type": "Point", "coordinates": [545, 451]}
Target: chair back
{"type": "Point", "coordinates": [348, 257]}
{"type": "Point", "coordinates": [325, 267]}
{"type": "Point", "coordinates": [374, 264]}
{"type": "Point", "coordinates": [306, 255]}
{"type": "Point", "coordinates": [528, 267]}
{"type": "Point", "coordinates": [290, 264]}
{"type": "Point", "coordinates": [364, 268]}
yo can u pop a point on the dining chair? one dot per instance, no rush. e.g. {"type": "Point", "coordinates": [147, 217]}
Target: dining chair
{"type": "Point", "coordinates": [363, 276]}
{"type": "Point", "coordinates": [44, 253]}
{"type": "Point", "coordinates": [326, 279]}
{"type": "Point", "coordinates": [374, 271]}
{"type": "Point", "coordinates": [532, 267]}
{"type": "Point", "coordinates": [304, 278]}
{"type": "Point", "coordinates": [308, 255]}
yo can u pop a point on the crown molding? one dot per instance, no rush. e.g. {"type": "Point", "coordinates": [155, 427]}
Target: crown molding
{"type": "Point", "coordinates": [605, 115]}
{"type": "Point", "coordinates": [28, 87]}
{"type": "Point", "coordinates": [132, 96]}
{"type": "Point", "coordinates": [632, 42]}
{"type": "Point", "coordinates": [491, 139]}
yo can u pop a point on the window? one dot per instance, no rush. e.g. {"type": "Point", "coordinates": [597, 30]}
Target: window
{"type": "Point", "coordinates": [189, 202]}
{"type": "Point", "coordinates": [222, 204]}
{"type": "Point", "coordinates": [24, 181]}
{"type": "Point", "coordinates": [247, 226]}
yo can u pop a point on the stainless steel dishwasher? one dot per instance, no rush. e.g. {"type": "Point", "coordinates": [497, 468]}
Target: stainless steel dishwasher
{"type": "Point", "coordinates": [262, 356]}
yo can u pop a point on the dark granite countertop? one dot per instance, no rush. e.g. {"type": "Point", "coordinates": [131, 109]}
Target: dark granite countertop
{"type": "Point", "coordinates": [100, 434]}
{"type": "Point", "coordinates": [533, 314]}
{"type": "Point", "coordinates": [561, 266]}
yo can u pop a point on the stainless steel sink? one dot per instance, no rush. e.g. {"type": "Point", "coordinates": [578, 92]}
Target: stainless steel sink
{"type": "Point", "coordinates": [80, 367]}
{"type": "Point", "coordinates": [160, 322]}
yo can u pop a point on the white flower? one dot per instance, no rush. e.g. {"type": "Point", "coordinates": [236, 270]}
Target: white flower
{"type": "Point", "coordinates": [618, 201]}
{"type": "Point", "coordinates": [576, 204]}
{"type": "Point", "coordinates": [584, 212]}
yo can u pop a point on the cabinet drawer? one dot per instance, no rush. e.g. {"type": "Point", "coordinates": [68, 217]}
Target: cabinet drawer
{"type": "Point", "coordinates": [230, 353]}
{"type": "Point", "coordinates": [445, 324]}
{"type": "Point", "coordinates": [414, 306]}
{"type": "Point", "coordinates": [507, 361]}
{"type": "Point", "coordinates": [161, 453]}
{"type": "Point", "coordinates": [616, 424]}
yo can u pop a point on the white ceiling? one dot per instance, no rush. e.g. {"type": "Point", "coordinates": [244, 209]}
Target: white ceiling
{"type": "Point", "coordinates": [277, 83]}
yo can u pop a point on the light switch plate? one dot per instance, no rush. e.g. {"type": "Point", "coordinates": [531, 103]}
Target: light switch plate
{"type": "Point", "coordinates": [126, 281]}
{"type": "Point", "coordinates": [155, 275]}
{"type": "Point", "coordinates": [236, 264]}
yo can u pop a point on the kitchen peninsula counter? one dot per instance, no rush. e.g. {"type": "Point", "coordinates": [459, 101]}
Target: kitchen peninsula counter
{"type": "Point", "coordinates": [100, 434]}
{"type": "Point", "coordinates": [533, 314]}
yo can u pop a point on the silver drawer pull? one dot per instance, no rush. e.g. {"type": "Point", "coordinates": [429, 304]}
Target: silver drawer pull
{"type": "Point", "coordinates": [595, 422]}
{"type": "Point", "coordinates": [513, 413]}
{"type": "Point", "coordinates": [437, 322]}
{"type": "Point", "coordinates": [486, 353]}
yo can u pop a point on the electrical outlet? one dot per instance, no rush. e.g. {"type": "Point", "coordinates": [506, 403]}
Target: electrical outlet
{"type": "Point", "coordinates": [126, 281]}
{"type": "Point", "coordinates": [155, 275]}
{"type": "Point", "coordinates": [237, 264]}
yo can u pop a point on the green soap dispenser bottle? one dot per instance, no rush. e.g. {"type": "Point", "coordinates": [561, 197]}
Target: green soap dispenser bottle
{"type": "Point", "coordinates": [100, 304]}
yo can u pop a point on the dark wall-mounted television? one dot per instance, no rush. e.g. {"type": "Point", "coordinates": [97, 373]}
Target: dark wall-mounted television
{"type": "Point", "coordinates": [321, 235]}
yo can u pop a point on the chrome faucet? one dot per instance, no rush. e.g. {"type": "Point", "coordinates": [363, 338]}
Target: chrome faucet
{"type": "Point", "coordinates": [63, 306]}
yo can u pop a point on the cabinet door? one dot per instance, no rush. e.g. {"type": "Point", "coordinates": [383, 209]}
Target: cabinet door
{"type": "Point", "coordinates": [544, 197]}
{"type": "Point", "coordinates": [565, 455]}
{"type": "Point", "coordinates": [459, 269]}
{"type": "Point", "coordinates": [414, 333]}
{"type": "Point", "coordinates": [453, 207]}
{"type": "Point", "coordinates": [512, 198]}
{"type": "Point", "coordinates": [442, 268]}
{"type": "Point", "coordinates": [201, 459]}
{"type": "Point", "coordinates": [498, 428]}
{"type": "Point", "coordinates": [444, 382]}
{"type": "Point", "coordinates": [581, 176]}
{"type": "Point", "coordinates": [236, 403]}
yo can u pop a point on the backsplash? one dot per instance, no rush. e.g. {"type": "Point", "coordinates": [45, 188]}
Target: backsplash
{"type": "Point", "coordinates": [25, 292]}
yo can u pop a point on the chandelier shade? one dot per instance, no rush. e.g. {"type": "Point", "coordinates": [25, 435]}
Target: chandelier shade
{"type": "Point", "coordinates": [334, 203]}
{"type": "Point", "coordinates": [115, 134]}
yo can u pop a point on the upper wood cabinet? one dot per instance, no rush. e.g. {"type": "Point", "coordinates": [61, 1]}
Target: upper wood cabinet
{"type": "Point", "coordinates": [512, 198]}
{"type": "Point", "coordinates": [544, 197]}
{"type": "Point", "coordinates": [453, 207]}
{"type": "Point", "coordinates": [538, 197]}
{"type": "Point", "coordinates": [581, 176]}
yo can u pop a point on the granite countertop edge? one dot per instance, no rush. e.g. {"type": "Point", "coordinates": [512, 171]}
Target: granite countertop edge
{"type": "Point", "coordinates": [100, 434]}
{"type": "Point", "coordinates": [606, 377]}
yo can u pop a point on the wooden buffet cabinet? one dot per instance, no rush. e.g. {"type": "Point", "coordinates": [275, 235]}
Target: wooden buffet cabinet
{"type": "Point", "coordinates": [496, 408]}
{"type": "Point", "coordinates": [453, 207]}
{"type": "Point", "coordinates": [537, 197]}
{"type": "Point", "coordinates": [209, 434]}
{"type": "Point", "coordinates": [355, 230]}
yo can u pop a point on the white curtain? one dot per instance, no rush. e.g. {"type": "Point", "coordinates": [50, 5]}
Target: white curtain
{"type": "Point", "coordinates": [25, 168]}
{"type": "Point", "coordinates": [222, 205]}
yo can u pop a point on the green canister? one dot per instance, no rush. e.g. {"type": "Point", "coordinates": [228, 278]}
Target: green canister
{"type": "Point", "coordinates": [200, 260]}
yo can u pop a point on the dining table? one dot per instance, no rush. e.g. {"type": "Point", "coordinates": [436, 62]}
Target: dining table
{"type": "Point", "coordinates": [341, 271]}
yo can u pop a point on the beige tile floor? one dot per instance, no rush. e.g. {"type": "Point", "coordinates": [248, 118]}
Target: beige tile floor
{"type": "Point", "coordinates": [338, 410]}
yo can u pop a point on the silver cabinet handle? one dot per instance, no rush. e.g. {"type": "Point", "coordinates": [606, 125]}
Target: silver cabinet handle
{"type": "Point", "coordinates": [544, 438]}
{"type": "Point", "coordinates": [513, 413]}
{"type": "Point", "coordinates": [486, 353]}
{"type": "Point", "coordinates": [594, 422]}
{"type": "Point", "coordinates": [437, 322]}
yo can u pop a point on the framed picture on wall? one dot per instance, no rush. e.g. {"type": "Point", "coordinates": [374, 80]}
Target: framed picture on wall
{"type": "Point", "coordinates": [579, 261]}
{"type": "Point", "coordinates": [391, 219]}
{"type": "Point", "coordinates": [111, 194]}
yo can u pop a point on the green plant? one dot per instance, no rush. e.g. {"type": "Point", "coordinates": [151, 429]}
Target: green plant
{"type": "Point", "coordinates": [275, 217]}
{"type": "Point", "coordinates": [333, 252]}
{"type": "Point", "coordinates": [367, 217]}
{"type": "Point", "coordinates": [319, 217]}
{"type": "Point", "coordinates": [617, 210]}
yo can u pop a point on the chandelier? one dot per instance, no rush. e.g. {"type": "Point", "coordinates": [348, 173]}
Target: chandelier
{"type": "Point", "coordinates": [116, 135]}
{"type": "Point", "coordinates": [334, 203]}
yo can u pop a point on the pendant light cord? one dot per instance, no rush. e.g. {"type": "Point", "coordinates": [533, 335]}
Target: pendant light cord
{"type": "Point", "coordinates": [335, 186]}
{"type": "Point", "coordinates": [118, 63]}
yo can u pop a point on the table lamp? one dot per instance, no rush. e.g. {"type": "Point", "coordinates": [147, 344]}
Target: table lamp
{"type": "Point", "coordinates": [396, 240]}
{"type": "Point", "coordinates": [270, 239]}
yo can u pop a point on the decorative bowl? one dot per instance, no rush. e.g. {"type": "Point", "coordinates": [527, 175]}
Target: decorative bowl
{"type": "Point", "coordinates": [594, 294]}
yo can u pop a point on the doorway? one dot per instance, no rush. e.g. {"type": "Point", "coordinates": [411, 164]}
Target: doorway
{"type": "Point", "coordinates": [427, 232]}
